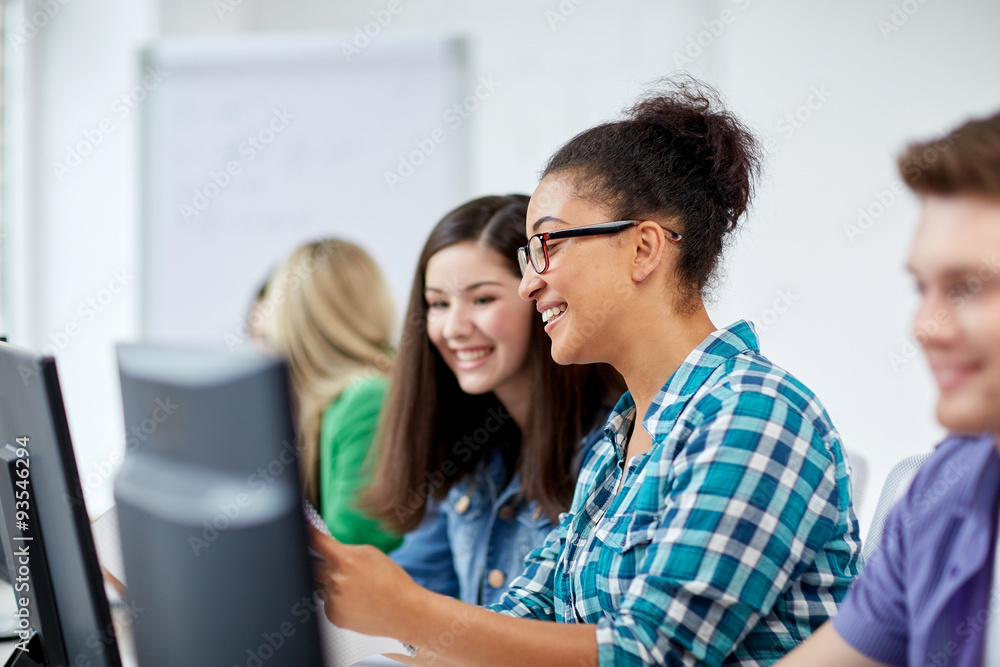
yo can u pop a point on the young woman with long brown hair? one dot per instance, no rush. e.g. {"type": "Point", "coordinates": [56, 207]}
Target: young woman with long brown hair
{"type": "Point", "coordinates": [482, 431]}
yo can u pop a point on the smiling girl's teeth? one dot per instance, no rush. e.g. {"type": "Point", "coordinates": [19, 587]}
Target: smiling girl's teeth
{"type": "Point", "coordinates": [549, 313]}
{"type": "Point", "coordinates": [471, 355]}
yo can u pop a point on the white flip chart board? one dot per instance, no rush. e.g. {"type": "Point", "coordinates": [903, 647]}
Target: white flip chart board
{"type": "Point", "coordinates": [252, 145]}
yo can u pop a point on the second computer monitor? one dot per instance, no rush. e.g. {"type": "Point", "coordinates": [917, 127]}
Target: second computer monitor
{"type": "Point", "coordinates": [209, 506]}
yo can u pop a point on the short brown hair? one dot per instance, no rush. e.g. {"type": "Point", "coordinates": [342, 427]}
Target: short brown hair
{"type": "Point", "coordinates": [965, 162]}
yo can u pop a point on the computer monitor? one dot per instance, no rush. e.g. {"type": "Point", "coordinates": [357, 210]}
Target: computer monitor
{"type": "Point", "coordinates": [209, 507]}
{"type": "Point", "coordinates": [47, 543]}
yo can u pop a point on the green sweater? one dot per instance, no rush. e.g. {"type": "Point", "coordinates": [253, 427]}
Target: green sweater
{"type": "Point", "coordinates": [346, 435]}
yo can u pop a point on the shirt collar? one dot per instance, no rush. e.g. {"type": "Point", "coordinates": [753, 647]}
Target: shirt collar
{"type": "Point", "coordinates": [982, 457]}
{"type": "Point", "coordinates": [719, 347]}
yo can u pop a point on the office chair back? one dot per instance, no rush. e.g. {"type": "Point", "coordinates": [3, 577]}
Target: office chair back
{"type": "Point", "coordinates": [896, 485]}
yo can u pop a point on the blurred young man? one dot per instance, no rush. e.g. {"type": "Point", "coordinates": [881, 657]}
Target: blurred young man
{"type": "Point", "coordinates": [931, 593]}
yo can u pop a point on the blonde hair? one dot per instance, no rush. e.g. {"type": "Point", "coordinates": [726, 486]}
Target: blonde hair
{"type": "Point", "coordinates": [332, 321]}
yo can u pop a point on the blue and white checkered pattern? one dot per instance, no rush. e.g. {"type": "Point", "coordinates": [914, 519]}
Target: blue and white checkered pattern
{"type": "Point", "coordinates": [732, 539]}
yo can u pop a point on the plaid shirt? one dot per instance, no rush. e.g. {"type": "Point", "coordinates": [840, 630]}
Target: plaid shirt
{"type": "Point", "coordinates": [732, 539]}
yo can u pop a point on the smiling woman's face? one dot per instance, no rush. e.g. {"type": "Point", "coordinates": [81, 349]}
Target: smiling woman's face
{"type": "Point", "coordinates": [476, 320]}
{"type": "Point", "coordinates": [579, 296]}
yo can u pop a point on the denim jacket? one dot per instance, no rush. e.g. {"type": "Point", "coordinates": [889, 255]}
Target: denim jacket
{"type": "Point", "coordinates": [472, 544]}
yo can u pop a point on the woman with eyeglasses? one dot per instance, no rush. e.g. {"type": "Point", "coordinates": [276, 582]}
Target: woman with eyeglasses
{"type": "Point", "coordinates": [482, 431]}
{"type": "Point", "coordinates": [713, 523]}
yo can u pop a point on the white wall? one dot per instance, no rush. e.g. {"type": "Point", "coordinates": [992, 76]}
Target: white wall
{"type": "Point", "coordinates": [80, 228]}
{"type": "Point", "coordinates": [847, 333]}
{"type": "Point", "coordinates": [561, 67]}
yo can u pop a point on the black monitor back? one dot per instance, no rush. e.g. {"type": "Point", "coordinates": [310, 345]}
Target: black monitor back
{"type": "Point", "coordinates": [67, 605]}
{"type": "Point", "coordinates": [209, 506]}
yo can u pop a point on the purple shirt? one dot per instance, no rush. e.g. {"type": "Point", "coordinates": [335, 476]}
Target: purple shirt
{"type": "Point", "coordinates": [924, 597]}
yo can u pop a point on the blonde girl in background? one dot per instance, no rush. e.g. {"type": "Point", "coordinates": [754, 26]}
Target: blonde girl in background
{"type": "Point", "coordinates": [333, 319]}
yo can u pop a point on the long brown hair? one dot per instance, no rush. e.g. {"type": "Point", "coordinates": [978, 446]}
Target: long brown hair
{"type": "Point", "coordinates": [434, 433]}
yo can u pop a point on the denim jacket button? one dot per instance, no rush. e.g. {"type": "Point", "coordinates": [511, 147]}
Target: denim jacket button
{"type": "Point", "coordinates": [506, 513]}
{"type": "Point", "coordinates": [496, 578]}
{"type": "Point", "coordinates": [537, 513]}
{"type": "Point", "coordinates": [462, 504]}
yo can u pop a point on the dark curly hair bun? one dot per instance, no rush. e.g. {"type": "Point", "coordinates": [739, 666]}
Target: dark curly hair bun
{"type": "Point", "coordinates": [678, 156]}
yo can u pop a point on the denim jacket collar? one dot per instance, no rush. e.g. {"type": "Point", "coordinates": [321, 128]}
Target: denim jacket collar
{"type": "Point", "coordinates": [488, 481]}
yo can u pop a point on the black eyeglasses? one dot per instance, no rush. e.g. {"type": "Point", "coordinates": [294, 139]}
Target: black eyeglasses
{"type": "Point", "coordinates": [536, 252]}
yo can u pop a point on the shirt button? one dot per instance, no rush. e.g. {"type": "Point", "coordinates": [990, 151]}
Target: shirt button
{"type": "Point", "coordinates": [462, 504]}
{"type": "Point", "coordinates": [506, 513]}
{"type": "Point", "coordinates": [496, 578]}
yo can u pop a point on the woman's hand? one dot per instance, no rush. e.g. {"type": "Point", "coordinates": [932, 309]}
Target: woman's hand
{"type": "Point", "coordinates": [366, 592]}
{"type": "Point", "coordinates": [363, 589]}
